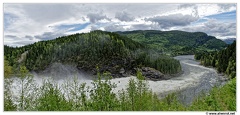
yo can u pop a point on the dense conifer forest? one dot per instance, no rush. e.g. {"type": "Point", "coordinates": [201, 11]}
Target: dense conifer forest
{"type": "Point", "coordinates": [224, 61]}
{"type": "Point", "coordinates": [102, 52]}
{"type": "Point", "coordinates": [105, 50]}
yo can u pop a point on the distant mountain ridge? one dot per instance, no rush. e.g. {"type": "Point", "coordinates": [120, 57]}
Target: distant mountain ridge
{"type": "Point", "coordinates": [175, 42]}
{"type": "Point", "coordinates": [229, 40]}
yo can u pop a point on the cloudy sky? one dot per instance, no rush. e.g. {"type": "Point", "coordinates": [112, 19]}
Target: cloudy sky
{"type": "Point", "coordinates": [29, 23]}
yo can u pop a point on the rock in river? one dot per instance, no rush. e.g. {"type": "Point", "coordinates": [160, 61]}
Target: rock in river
{"type": "Point", "coordinates": [152, 73]}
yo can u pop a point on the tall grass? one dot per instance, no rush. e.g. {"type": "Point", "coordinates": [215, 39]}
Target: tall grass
{"type": "Point", "coordinates": [74, 96]}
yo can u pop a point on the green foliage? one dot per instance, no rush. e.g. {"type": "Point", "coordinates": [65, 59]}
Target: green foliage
{"type": "Point", "coordinates": [26, 90]}
{"type": "Point", "coordinates": [100, 48]}
{"type": "Point", "coordinates": [219, 99]}
{"type": "Point", "coordinates": [26, 98]}
{"type": "Point", "coordinates": [224, 98]}
{"type": "Point", "coordinates": [102, 97]}
{"type": "Point", "coordinates": [51, 99]}
{"type": "Point", "coordinates": [23, 72]}
{"type": "Point", "coordinates": [224, 60]}
{"type": "Point", "coordinates": [88, 50]}
{"type": "Point", "coordinates": [75, 93]}
{"type": "Point", "coordinates": [94, 48]}
{"type": "Point", "coordinates": [7, 69]}
{"type": "Point", "coordinates": [170, 103]}
{"type": "Point", "coordinates": [8, 96]}
{"type": "Point", "coordinates": [136, 97]}
{"type": "Point", "coordinates": [163, 63]}
{"type": "Point", "coordinates": [175, 42]}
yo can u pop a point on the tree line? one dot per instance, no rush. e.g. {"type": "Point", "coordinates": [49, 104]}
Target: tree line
{"type": "Point", "coordinates": [88, 51]}
{"type": "Point", "coordinates": [76, 96]}
{"type": "Point", "coordinates": [224, 60]}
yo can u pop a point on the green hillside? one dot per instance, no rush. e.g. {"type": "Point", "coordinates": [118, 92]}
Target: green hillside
{"type": "Point", "coordinates": [176, 42]}
{"type": "Point", "coordinates": [88, 51]}
{"type": "Point", "coordinates": [224, 60]}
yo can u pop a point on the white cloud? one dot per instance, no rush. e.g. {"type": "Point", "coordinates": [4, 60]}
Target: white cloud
{"type": "Point", "coordinates": [214, 28]}
{"type": "Point", "coordinates": [113, 28]}
{"type": "Point", "coordinates": [95, 17]}
{"type": "Point", "coordinates": [173, 20]}
{"type": "Point", "coordinates": [32, 22]}
{"type": "Point", "coordinates": [203, 10]}
{"type": "Point", "coordinates": [124, 16]}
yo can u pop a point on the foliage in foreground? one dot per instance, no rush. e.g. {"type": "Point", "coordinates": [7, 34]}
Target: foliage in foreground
{"type": "Point", "coordinates": [74, 96]}
{"type": "Point", "coordinates": [219, 99]}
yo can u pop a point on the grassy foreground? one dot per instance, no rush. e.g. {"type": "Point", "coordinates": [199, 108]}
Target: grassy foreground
{"type": "Point", "coordinates": [79, 97]}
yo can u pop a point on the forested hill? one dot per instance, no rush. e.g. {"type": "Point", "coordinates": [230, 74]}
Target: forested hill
{"type": "Point", "coordinates": [224, 60]}
{"type": "Point", "coordinates": [176, 42]}
{"type": "Point", "coordinates": [88, 51]}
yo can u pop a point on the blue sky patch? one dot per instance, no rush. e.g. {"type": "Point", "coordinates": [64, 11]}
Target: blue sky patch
{"type": "Point", "coordinates": [202, 20]}
{"type": "Point", "coordinates": [75, 27]}
{"type": "Point", "coordinates": [9, 19]}
{"type": "Point", "coordinates": [226, 16]}
{"type": "Point", "coordinates": [23, 19]}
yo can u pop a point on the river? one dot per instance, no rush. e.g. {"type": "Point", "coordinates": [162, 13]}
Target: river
{"type": "Point", "coordinates": [194, 80]}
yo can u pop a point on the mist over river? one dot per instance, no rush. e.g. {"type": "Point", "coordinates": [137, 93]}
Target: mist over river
{"type": "Point", "coordinates": [194, 80]}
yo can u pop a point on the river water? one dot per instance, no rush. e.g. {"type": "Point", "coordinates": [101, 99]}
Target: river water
{"type": "Point", "coordinates": [194, 80]}
{"type": "Point", "coordinates": [200, 79]}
